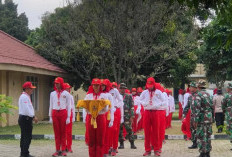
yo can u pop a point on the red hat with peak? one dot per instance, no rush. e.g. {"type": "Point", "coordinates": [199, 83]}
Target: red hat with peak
{"type": "Point", "coordinates": [28, 85]}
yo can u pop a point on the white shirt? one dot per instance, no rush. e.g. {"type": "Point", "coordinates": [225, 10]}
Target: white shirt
{"type": "Point", "coordinates": [181, 98]}
{"type": "Point", "coordinates": [64, 102]}
{"type": "Point", "coordinates": [91, 97]}
{"type": "Point", "coordinates": [167, 102]}
{"type": "Point", "coordinates": [186, 96]}
{"type": "Point", "coordinates": [73, 108]}
{"type": "Point", "coordinates": [157, 100]}
{"type": "Point", "coordinates": [118, 100]}
{"type": "Point", "coordinates": [25, 105]}
{"type": "Point", "coordinates": [112, 109]}
{"type": "Point", "coordinates": [137, 103]}
{"type": "Point", "coordinates": [172, 104]}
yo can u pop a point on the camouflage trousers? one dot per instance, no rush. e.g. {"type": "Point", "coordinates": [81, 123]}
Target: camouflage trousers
{"type": "Point", "coordinates": [128, 127]}
{"type": "Point", "coordinates": [193, 132]}
{"type": "Point", "coordinates": [229, 129]}
{"type": "Point", "coordinates": [204, 132]}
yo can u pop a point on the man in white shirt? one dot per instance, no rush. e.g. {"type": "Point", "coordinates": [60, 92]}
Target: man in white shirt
{"type": "Point", "coordinates": [72, 120]}
{"type": "Point", "coordinates": [59, 113]}
{"type": "Point", "coordinates": [26, 116]}
{"type": "Point", "coordinates": [154, 115]}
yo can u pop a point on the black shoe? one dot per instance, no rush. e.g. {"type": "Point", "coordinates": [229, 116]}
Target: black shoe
{"type": "Point", "coordinates": [133, 145]}
{"type": "Point", "coordinates": [121, 145]}
{"type": "Point", "coordinates": [207, 154]}
{"type": "Point", "coordinates": [202, 155]}
{"type": "Point", "coordinates": [194, 146]}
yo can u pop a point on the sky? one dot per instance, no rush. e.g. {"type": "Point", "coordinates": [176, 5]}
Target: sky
{"type": "Point", "coordinates": [34, 9]}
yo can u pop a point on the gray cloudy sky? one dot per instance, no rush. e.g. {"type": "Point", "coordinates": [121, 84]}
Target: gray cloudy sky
{"type": "Point", "coordinates": [34, 9]}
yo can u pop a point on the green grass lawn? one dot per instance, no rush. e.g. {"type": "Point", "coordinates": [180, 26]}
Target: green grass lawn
{"type": "Point", "coordinates": [79, 128]}
{"type": "Point", "coordinates": [42, 128]}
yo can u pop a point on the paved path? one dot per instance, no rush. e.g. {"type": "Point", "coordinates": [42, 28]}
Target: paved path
{"type": "Point", "coordinates": [173, 148]}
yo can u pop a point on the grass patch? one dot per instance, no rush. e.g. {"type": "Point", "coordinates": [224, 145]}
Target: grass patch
{"type": "Point", "coordinates": [42, 128]}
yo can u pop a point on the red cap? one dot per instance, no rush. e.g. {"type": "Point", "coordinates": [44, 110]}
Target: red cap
{"type": "Point", "coordinates": [181, 91]}
{"type": "Point", "coordinates": [28, 85]}
{"type": "Point", "coordinates": [133, 90]}
{"type": "Point", "coordinates": [96, 81]}
{"type": "Point", "coordinates": [67, 86]}
{"type": "Point", "coordinates": [215, 91]}
{"type": "Point", "coordinates": [114, 84]}
{"type": "Point", "coordinates": [150, 82]}
{"type": "Point", "coordinates": [139, 90]}
{"type": "Point", "coordinates": [59, 80]}
{"type": "Point", "coordinates": [127, 91]}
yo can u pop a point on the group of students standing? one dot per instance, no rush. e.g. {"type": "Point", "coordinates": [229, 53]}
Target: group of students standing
{"type": "Point", "coordinates": [150, 109]}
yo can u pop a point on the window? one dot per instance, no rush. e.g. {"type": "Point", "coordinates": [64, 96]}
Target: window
{"type": "Point", "coordinates": [35, 94]}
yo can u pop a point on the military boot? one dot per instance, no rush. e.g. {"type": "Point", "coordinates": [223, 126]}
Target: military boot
{"type": "Point", "coordinates": [207, 154]}
{"type": "Point", "coordinates": [133, 145]}
{"type": "Point", "coordinates": [202, 155]}
{"type": "Point", "coordinates": [194, 146]}
{"type": "Point", "coordinates": [121, 145]}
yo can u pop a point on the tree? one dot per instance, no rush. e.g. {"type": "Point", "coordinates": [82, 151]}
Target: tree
{"type": "Point", "coordinates": [5, 106]}
{"type": "Point", "coordinates": [12, 23]}
{"type": "Point", "coordinates": [120, 40]}
{"type": "Point", "coordinates": [216, 58]}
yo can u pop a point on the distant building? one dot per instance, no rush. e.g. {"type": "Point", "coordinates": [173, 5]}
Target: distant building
{"type": "Point", "coordinates": [19, 63]}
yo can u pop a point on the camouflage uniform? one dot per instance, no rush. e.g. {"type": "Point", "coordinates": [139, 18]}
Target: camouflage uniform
{"type": "Point", "coordinates": [227, 109]}
{"type": "Point", "coordinates": [204, 118]}
{"type": "Point", "coordinates": [191, 106]}
{"type": "Point", "coordinates": [128, 113]}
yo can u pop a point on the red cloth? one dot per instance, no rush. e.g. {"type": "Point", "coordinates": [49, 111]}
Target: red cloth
{"type": "Point", "coordinates": [134, 124]}
{"type": "Point", "coordinates": [124, 132]}
{"type": "Point", "coordinates": [96, 136]}
{"type": "Point", "coordinates": [107, 136]}
{"type": "Point", "coordinates": [151, 130]}
{"type": "Point", "coordinates": [116, 128]}
{"type": "Point", "coordinates": [162, 126]}
{"type": "Point", "coordinates": [69, 133]}
{"type": "Point", "coordinates": [86, 130]}
{"type": "Point", "coordinates": [180, 111]}
{"type": "Point", "coordinates": [140, 123]}
{"type": "Point", "coordinates": [169, 121]}
{"type": "Point", "coordinates": [59, 126]}
{"type": "Point", "coordinates": [185, 128]}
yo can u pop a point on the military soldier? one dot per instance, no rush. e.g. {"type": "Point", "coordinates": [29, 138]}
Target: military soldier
{"type": "Point", "coordinates": [203, 119]}
{"type": "Point", "coordinates": [128, 117]}
{"type": "Point", "coordinates": [191, 106]}
{"type": "Point", "coordinates": [227, 109]}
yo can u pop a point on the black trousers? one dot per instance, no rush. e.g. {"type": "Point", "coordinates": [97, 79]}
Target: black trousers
{"type": "Point", "coordinates": [219, 118]}
{"type": "Point", "coordinates": [26, 127]}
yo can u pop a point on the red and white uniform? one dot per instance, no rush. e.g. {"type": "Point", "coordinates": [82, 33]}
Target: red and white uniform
{"type": "Point", "coordinates": [96, 135]}
{"type": "Point", "coordinates": [181, 101]}
{"type": "Point", "coordinates": [109, 124]}
{"type": "Point", "coordinates": [60, 113]}
{"type": "Point", "coordinates": [137, 112]}
{"type": "Point", "coordinates": [69, 126]}
{"type": "Point", "coordinates": [154, 117]}
{"type": "Point", "coordinates": [186, 96]}
{"type": "Point", "coordinates": [118, 111]}
{"type": "Point", "coordinates": [171, 110]}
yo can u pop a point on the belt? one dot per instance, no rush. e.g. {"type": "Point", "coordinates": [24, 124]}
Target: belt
{"type": "Point", "coordinates": [27, 117]}
{"type": "Point", "coordinates": [59, 110]}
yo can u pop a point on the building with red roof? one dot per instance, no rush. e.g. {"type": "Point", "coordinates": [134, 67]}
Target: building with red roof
{"type": "Point", "coordinates": [20, 63]}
